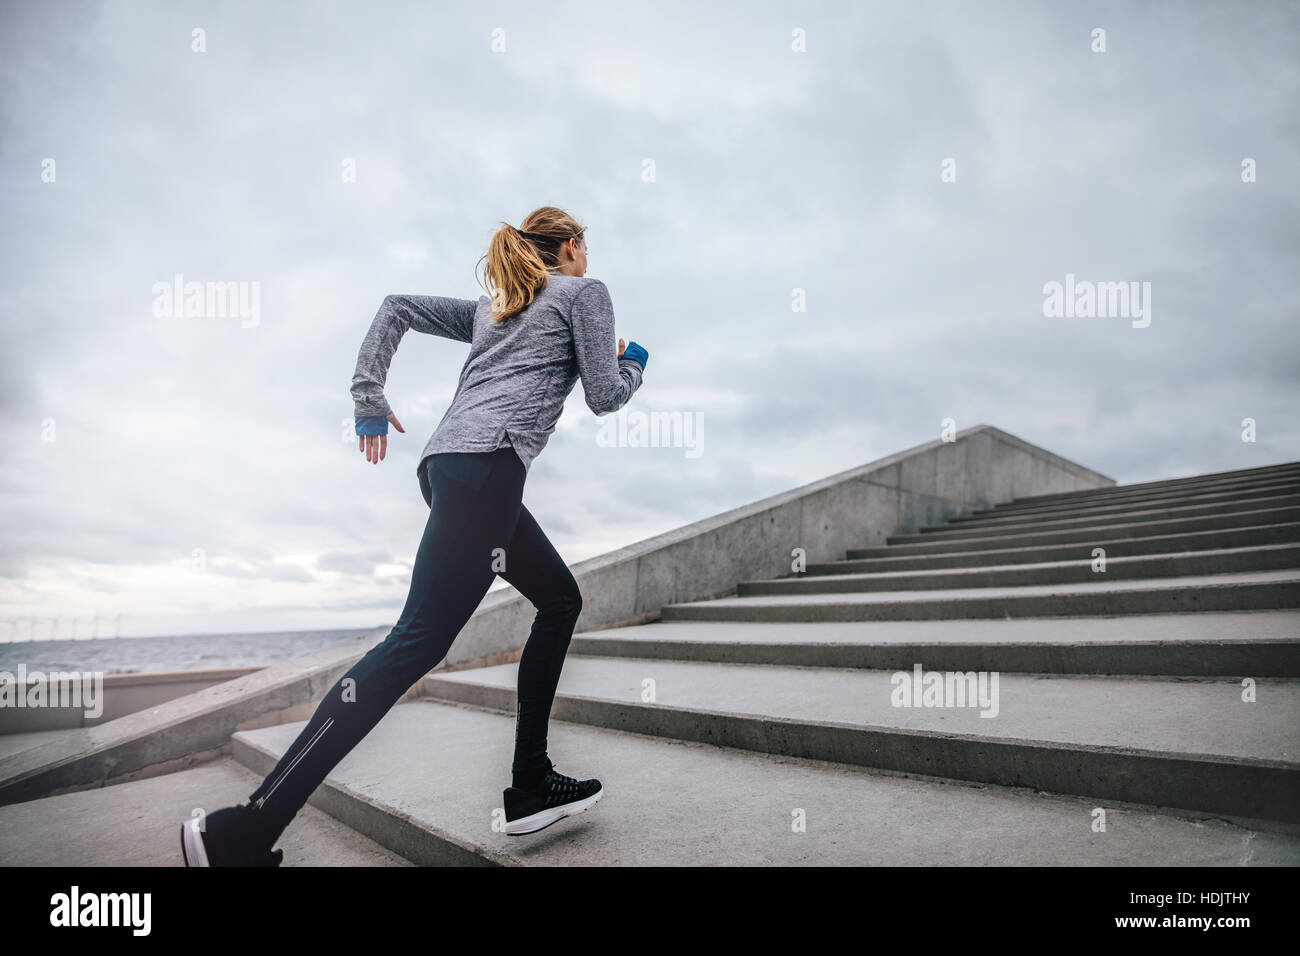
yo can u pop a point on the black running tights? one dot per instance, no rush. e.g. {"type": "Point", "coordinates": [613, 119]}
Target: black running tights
{"type": "Point", "coordinates": [477, 528]}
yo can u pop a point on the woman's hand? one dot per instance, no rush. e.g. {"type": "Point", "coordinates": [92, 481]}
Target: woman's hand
{"type": "Point", "coordinates": [376, 446]}
{"type": "Point", "coordinates": [638, 354]}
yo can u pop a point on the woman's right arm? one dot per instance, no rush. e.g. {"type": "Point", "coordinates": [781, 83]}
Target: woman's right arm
{"type": "Point", "coordinates": [432, 314]}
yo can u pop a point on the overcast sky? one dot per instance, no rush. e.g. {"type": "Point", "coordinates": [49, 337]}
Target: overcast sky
{"type": "Point", "coordinates": [134, 442]}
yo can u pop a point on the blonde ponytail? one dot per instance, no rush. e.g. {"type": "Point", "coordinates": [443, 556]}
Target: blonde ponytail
{"type": "Point", "coordinates": [518, 259]}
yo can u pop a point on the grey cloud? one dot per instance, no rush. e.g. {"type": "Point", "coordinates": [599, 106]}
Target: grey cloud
{"type": "Point", "coordinates": [345, 562]}
{"type": "Point", "coordinates": [776, 171]}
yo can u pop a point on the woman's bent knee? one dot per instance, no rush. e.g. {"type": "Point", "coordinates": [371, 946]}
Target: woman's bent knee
{"type": "Point", "coordinates": [565, 606]}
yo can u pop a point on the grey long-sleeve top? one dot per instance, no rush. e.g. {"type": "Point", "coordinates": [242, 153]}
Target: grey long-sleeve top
{"type": "Point", "coordinates": [518, 372]}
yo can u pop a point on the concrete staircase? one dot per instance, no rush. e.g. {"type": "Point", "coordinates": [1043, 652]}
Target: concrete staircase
{"type": "Point", "coordinates": [1144, 713]}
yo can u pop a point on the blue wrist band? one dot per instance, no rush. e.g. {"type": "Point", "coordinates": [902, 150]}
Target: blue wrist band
{"type": "Point", "coordinates": [636, 353]}
{"type": "Point", "coordinates": [374, 425]}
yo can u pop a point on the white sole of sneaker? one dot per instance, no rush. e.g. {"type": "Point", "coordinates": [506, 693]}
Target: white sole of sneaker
{"type": "Point", "coordinates": [192, 844]}
{"type": "Point", "coordinates": [544, 818]}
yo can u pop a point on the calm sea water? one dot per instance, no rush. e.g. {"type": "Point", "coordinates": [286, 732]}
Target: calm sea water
{"type": "Point", "coordinates": [118, 655]}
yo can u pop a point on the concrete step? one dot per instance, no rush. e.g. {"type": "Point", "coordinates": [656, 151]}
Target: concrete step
{"type": "Point", "coordinates": [939, 543]}
{"type": "Point", "coordinates": [429, 777]}
{"type": "Point", "coordinates": [138, 824]}
{"type": "Point", "coordinates": [1181, 507]}
{"type": "Point", "coordinates": [1204, 644]}
{"type": "Point", "coordinates": [1190, 744]}
{"type": "Point", "coordinates": [1083, 530]}
{"type": "Point", "coordinates": [1242, 591]}
{"type": "Point", "coordinates": [1121, 497]}
{"type": "Point", "coordinates": [909, 560]}
{"type": "Point", "coordinates": [1210, 479]}
{"type": "Point", "coordinates": [1191, 496]}
{"type": "Point", "coordinates": [1271, 557]}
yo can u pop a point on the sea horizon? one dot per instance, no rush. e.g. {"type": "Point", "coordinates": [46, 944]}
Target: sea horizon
{"type": "Point", "coordinates": [169, 652]}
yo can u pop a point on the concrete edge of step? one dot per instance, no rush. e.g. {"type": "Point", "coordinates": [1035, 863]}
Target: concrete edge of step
{"type": "Point", "coordinates": [1227, 659]}
{"type": "Point", "coordinates": [1153, 567]}
{"type": "Point", "coordinates": [1221, 783]}
{"type": "Point", "coordinates": [1040, 533]}
{"type": "Point", "coordinates": [430, 684]}
{"type": "Point", "coordinates": [396, 830]}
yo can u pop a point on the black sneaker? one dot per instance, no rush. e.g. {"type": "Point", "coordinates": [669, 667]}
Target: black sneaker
{"type": "Point", "coordinates": [225, 841]}
{"type": "Point", "coordinates": [556, 797]}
